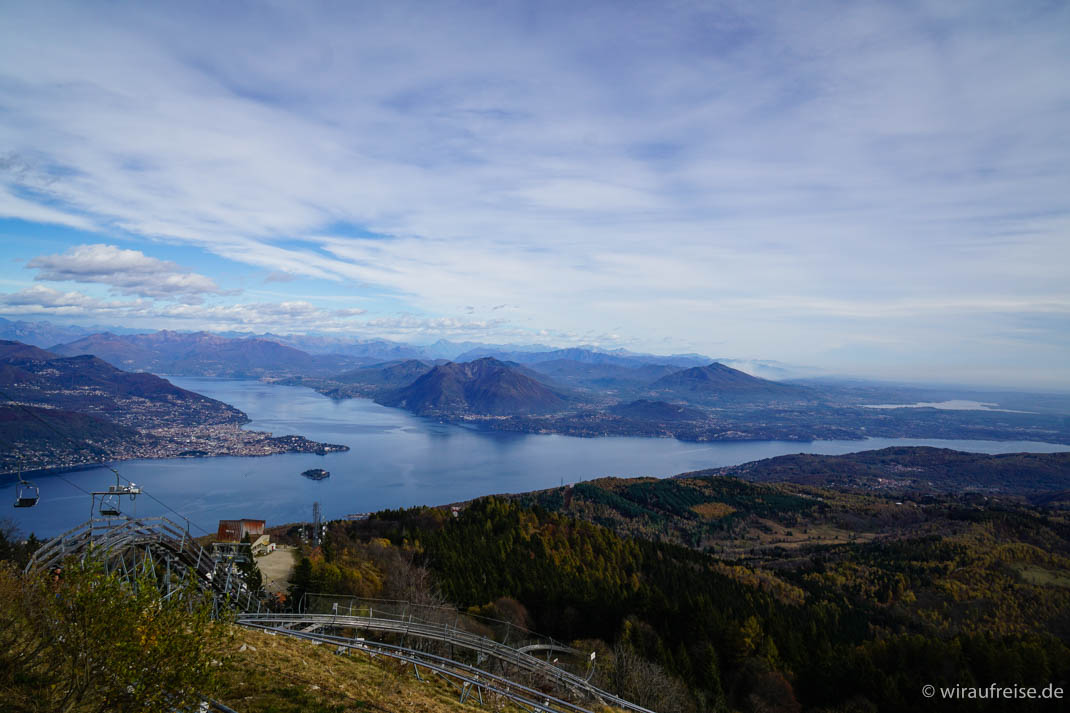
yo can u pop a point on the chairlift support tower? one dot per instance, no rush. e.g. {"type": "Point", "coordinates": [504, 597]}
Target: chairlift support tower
{"type": "Point", "coordinates": [317, 524]}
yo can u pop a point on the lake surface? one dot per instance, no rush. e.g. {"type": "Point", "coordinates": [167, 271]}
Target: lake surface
{"type": "Point", "coordinates": [396, 460]}
{"type": "Point", "coordinates": [952, 405]}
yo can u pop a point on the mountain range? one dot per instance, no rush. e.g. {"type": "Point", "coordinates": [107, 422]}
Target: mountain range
{"type": "Point", "coordinates": [585, 391]}
{"type": "Point", "coordinates": [491, 387]}
{"type": "Point", "coordinates": [585, 355]}
{"type": "Point", "coordinates": [44, 333]}
{"type": "Point", "coordinates": [713, 402]}
{"type": "Point", "coordinates": [204, 354]}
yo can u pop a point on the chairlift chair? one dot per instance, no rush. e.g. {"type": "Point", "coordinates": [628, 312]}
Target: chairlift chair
{"type": "Point", "coordinates": [26, 494]}
{"type": "Point", "coordinates": [109, 505]}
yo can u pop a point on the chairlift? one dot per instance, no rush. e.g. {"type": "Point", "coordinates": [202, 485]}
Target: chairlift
{"type": "Point", "coordinates": [109, 505]}
{"type": "Point", "coordinates": [110, 499]}
{"type": "Point", "coordinates": [26, 493]}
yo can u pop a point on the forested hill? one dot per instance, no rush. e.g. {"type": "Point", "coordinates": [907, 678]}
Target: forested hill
{"type": "Point", "coordinates": [818, 501]}
{"type": "Point", "coordinates": [916, 468]}
{"type": "Point", "coordinates": [952, 591]}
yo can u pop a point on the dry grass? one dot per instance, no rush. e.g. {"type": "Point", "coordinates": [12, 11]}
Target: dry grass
{"type": "Point", "coordinates": [773, 534]}
{"type": "Point", "coordinates": [279, 674]}
{"type": "Point", "coordinates": [713, 511]}
{"type": "Point", "coordinates": [1040, 576]}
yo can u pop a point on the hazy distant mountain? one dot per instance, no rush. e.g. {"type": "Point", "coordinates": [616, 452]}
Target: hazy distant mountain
{"type": "Point", "coordinates": [484, 386]}
{"type": "Point", "coordinates": [716, 379]}
{"type": "Point", "coordinates": [44, 334]}
{"type": "Point", "coordinates": [203, 354]}
{"type": "Point", "coordinates": [585, 355]}
{"type": "Point", "coordinates": [377, 349]}
{"type": "Point", "coordinates": [768, 369]}
{"type": "Point", "coordinates": [392, 375]}
{"type": "Point", "coordinates": [445, 349]}
{"type": "Point", "coordinates": [600, 375]}
{"type": "Point", "coordinates": [41, 334]}
{"type": "Point", "coordinates": [387, 350]}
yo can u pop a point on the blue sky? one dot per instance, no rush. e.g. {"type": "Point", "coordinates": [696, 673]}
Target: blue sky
{"type": "Point", "coordinates": [873, 188]}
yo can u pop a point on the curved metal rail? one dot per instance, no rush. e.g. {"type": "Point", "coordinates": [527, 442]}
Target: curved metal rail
{"type": "Point", "coordinates": [471, 678]}
{"type": "Point", "coordinates": [505, 632]}
{"type": "Point", "coordinates": [159, 544]}
{"type": "Point", "coordinates": [447, 634]}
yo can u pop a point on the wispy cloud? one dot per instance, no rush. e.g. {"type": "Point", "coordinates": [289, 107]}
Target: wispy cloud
{"type": "Point", "coordinates": [758, 174]}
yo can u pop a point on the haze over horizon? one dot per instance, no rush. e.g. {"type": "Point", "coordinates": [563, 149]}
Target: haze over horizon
{"type": "Point", "coordinates": [866, 188]}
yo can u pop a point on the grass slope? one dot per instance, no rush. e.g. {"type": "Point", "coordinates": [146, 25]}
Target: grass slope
{"type": "Point", "coordinates": [279, 674]}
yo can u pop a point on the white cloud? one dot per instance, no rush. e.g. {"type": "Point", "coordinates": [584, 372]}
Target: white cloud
{"type": "Point", "coordinates": [41, 300]}
{"type": "Point", "coordinates": [129, 272]}
{"type": "Point", "coordinates": [758, 175]}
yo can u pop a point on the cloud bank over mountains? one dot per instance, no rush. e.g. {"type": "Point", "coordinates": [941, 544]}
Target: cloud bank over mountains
{"type": "Point", "coordinates": [870, 185]}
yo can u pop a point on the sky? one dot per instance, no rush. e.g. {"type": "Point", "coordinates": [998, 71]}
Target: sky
{"type": "Point", "coordinates": [874, 188]}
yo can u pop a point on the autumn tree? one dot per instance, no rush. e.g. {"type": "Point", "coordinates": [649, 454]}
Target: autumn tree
{"type": "Point", "coordinates": [84, 640]}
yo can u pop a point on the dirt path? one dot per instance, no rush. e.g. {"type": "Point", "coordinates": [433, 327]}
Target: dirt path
{"type": "Point", "coordinates": [276, 569]}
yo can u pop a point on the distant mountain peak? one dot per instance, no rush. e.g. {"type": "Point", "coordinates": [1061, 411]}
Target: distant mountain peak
{"type": "Point", "coordinates": [483, 386]}
{"type": "Point", "coordinates": [716, 378]}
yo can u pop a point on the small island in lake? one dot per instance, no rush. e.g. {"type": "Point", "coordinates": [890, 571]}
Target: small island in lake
{"type": "Point", "coordinates": [316, 474]}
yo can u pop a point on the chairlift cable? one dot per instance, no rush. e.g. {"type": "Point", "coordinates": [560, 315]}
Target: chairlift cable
{"type": "Point", "coordinates": [72, 484]}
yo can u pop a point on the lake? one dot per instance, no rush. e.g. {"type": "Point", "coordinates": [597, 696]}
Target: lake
{"type": "Point", "coordinates": [395, 460]}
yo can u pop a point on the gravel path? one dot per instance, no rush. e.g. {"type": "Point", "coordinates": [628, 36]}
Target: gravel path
{"type": "Point", "coordinates": [276, 569]}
